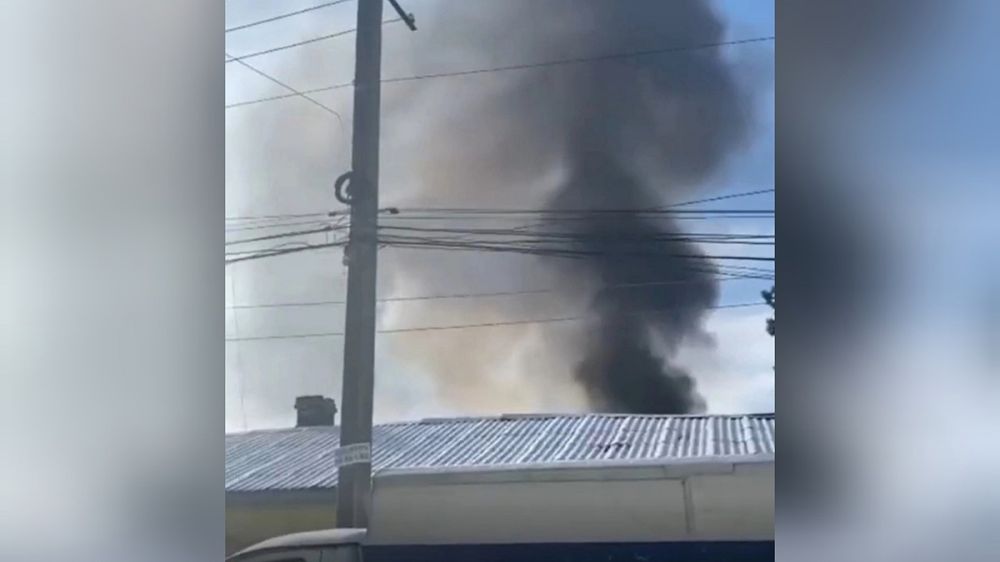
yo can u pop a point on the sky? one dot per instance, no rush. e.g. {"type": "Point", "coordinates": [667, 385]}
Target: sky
{"type": "Point", "coordinates": [263, 377]}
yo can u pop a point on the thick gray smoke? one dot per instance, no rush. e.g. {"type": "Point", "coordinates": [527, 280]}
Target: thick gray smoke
{"type": "Point", "coordinates": [622, 133]}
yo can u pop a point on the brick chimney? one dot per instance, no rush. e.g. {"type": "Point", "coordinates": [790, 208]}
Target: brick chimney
{"type": "Point", "coordinates": [315, 411]}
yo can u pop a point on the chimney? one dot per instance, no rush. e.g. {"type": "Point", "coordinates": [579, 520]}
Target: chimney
{"type": "Point", "coordinates": [315, 411]}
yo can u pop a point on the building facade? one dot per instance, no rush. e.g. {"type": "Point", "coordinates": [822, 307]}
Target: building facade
{"type": "Point", "coordinates": [516, 477]}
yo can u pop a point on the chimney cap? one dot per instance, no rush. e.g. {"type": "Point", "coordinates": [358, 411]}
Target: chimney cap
{"type": "Point", "coordinates": [313, 400]}
{"type": "Point", "coordinates": [315, 410]}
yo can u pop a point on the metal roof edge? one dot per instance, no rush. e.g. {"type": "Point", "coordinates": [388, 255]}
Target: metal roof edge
{"type": "Point", "coordinates": [635, 469]}
{"type": "Point", "coordinates": [551, 415]}
{"type": "Point", "coordinates": [507, 417]}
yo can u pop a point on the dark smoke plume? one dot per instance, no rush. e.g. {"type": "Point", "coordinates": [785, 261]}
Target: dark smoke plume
{"type": "Point", "coordinates": [620, 369]}
{"type": "Point", "coordinates": [633, 132]}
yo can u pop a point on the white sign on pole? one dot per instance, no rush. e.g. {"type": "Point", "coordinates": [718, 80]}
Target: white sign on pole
{"type": "Point", "coordinates": [353, 454]}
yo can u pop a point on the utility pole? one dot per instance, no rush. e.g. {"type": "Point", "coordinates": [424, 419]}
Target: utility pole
{"type": "Point", "coordinates": [354, 477]}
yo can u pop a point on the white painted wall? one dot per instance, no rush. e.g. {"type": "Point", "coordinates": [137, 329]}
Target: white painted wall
{"type": "Point", "coordinates": [719, 501]}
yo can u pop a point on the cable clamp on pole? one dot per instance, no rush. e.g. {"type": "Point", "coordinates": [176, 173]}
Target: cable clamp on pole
{"type": "Point", "coordinates": [342, 188]}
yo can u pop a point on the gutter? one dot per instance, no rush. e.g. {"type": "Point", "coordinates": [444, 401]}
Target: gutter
{"type": "Point", "coordinates": [646, 469]}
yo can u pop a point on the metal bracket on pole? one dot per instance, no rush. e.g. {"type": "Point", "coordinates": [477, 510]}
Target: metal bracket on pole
{"type": "Point", "coordinates": [407, 18]}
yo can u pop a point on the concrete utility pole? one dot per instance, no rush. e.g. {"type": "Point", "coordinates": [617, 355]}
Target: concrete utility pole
{"type": "Point", "coordinates": [354, 478]}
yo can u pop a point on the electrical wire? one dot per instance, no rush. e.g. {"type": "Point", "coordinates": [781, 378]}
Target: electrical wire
{"type": "Point", "coordinates": [538, 247]}
{"type": "Point", "coordinates": [589, 212]}
{"type": "Point", "coordinates": [681, 204]}
{"type": "Point", "coordinates": [458, 296]}
{"type": "Point", "coordinates": [533, 239]}
{"type": "Point", "coordinates": [269, 226]}
{"type": "Point", "coordinates": [612, 56]}
{"type": "Point", "coordinates": [557, 62]}
{"type": "Point", "coordinates": [281, 252]}
{"type": "Point", "coordinates": [300, 44]}
{"type": "Point", "coordinates": [476, 325]}
{"type": "Point", "coordinates": [283, 16]}
{"type": "Point", "coordinates": [519, 236]}
{"type": "Point", "coordinates": [286, 96]}
{"type": "Point", "coordinates": [314, 101]}
{"type": "Point", "coordinates": [323, 214]}
{"type": "Point", "coordinates": [568, 252]}
{"type": "Point", "coordinates": [275, 217]}
{"type": "Point", "coordinates": [554, 219]}
{"type": "Point", "coordinates": [723, 197]}
{"type": "Point", "coordinates": [328, 228]}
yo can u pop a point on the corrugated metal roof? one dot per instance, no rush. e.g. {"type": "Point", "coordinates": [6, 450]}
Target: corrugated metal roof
{"type": "Point", "coordinates": [302, 458]}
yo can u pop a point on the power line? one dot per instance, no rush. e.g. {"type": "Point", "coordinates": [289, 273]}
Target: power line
{"type": "Point", "coordinates": [275, 217]}
{"type": "Point", "coordinates": [290, 46]}
{"type": "Point", "coordinates": [267, 226]}
{"type": "Point", "coordinates": [593, 242]}
{"type": "Point", "coordinates": [751, 269]}
{"type": "Point", "coordinates": [300, 44]}
{"type": "Point", "coordinates": [568, 252]}
{"type": "Point", "coordinates": [527, 240]}
{"type": "Point", "coordinates": [457, 296]}
{"type": "Point", "coordinates": [722, 197]}
{"type": "Point", "coordinates": [664, 209]}
{"type": "Point", "coordinates": [289, 88]}
{"type": "Point", "coordinates": [283, 16]}
{"type": "Point", "coordinates": [517, 235]}
{"type": "Point", "coordinates": [540, 220]}
{"type": "Point", "coordinates": [328, 228]}
{"type": "Point", "coordinates": [446, 245]}
{"type": "Point", "coordinates": [518, 231]}
{"type": "Point", "coordinates": [471, 326]}
{"type": "Point", "coordinates": [585, 212]}
{"type": "Point", "coordinates": [527, 66]}
{"type": "Point", "coordinates": [281, 252]}
{"type": "Point", "coordinates": [681, 204]}
{"type": "Point", "coordinates": [582, 59]}
{"type": "Point", "coordinates": [265, 251]}
{"type": "Point", "coordinates": [564, 245]}
{"type": "Point", "coordinates": [286, 96]}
